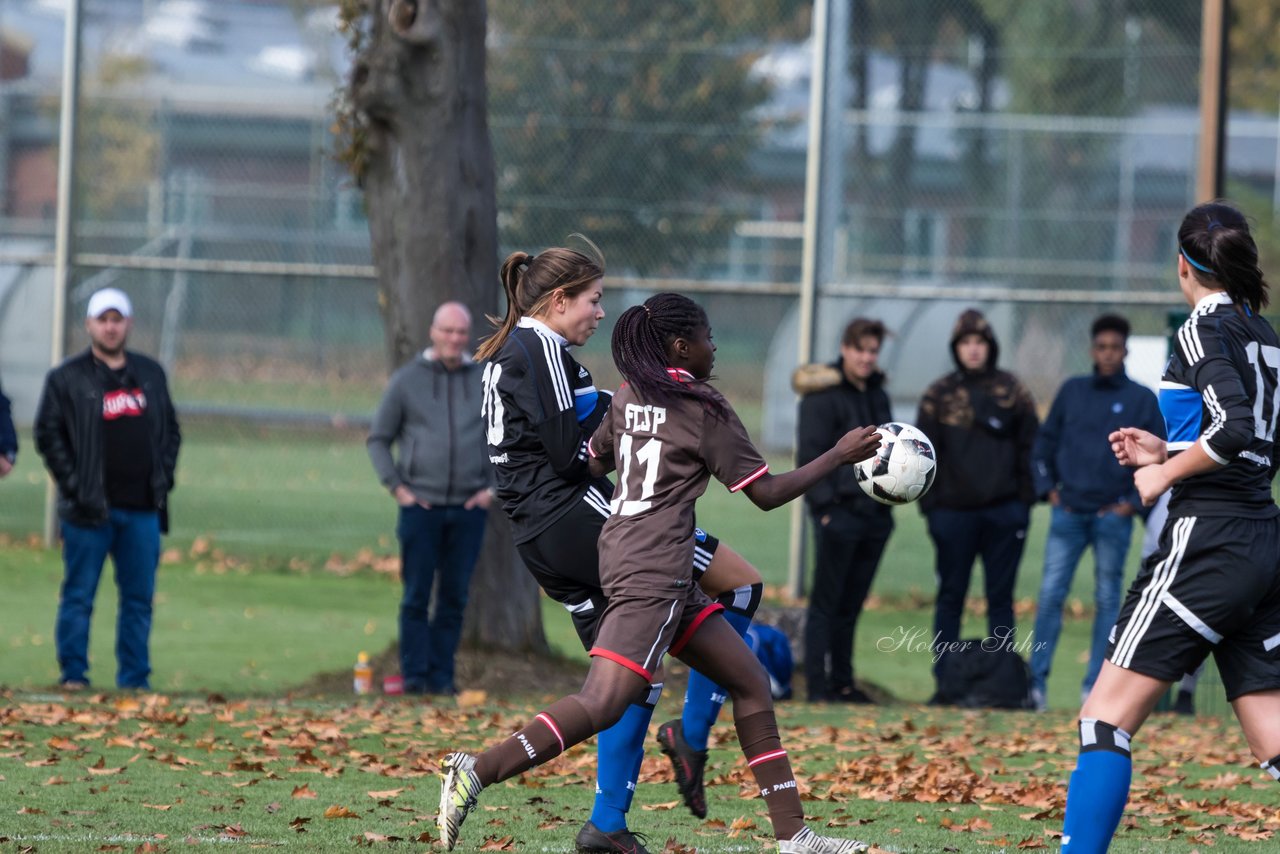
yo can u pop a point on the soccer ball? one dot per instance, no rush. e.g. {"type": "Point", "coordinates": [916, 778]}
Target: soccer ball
{"type": "Point", "coordinates": [904, 467]}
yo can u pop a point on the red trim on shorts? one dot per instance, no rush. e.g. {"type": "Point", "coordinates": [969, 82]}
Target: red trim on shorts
{"type": "Point", "coordinates": [591, 450]}
{"type": "Point", "coordinates": [766, 757]}
{"type": "Point", "coordinates": [679, 645]}
{"type": "Point", "coordinates": [618, 659]}
{"type": "Point", "coordinates": [750, 479]}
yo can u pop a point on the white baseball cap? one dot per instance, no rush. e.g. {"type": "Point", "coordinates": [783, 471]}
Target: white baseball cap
{"type": "Point", "coordinates": [107, 299]}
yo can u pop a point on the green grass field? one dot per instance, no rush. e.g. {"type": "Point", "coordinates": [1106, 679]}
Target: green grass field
{"type": "Point", "coordinates": [246, 609]}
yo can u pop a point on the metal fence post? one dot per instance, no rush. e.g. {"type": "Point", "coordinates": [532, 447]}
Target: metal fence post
{"type": "Point", "coordinates": [823, 200]}
{"type": "Point", "coordinates": [63, 226]}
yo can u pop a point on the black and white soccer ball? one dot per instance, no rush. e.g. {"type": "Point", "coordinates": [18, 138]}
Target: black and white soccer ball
{"type": "Point", "coordinates": [904, 467]}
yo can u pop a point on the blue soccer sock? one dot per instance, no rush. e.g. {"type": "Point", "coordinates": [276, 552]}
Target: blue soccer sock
{"type": "Point", "coordinates": [703, 697]}
{"type": "Point", "coordinates": [619, 752]}
{"type": "Point", "coordinates": [1099, 788]}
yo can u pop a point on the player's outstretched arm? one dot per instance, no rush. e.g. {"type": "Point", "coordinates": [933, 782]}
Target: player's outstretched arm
{"type": "Point", "coordinates": [1134, 447]}
{"type": "Point", "coordinates": [771, 491]}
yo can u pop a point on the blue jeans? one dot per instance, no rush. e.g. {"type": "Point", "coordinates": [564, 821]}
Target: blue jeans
{"type": "Point", "coordinates": [132, 538]}
{"type": "Point", "coordinates": [1069, 534]}
{"type": "Point", "coordinates": [447, 539]}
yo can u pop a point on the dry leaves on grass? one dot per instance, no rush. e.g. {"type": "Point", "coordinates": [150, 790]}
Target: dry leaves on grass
{"type": "Point", "coordinates": [1007, 765]}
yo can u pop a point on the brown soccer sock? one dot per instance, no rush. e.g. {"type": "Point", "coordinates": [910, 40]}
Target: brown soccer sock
{"type": "Point", "coordinates": [758, 735]}
{"type": "Point", "coordinates": [564, 723]}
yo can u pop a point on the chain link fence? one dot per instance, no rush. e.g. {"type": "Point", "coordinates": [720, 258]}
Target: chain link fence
{"type": "Point", "coordinates": [1031, 158]}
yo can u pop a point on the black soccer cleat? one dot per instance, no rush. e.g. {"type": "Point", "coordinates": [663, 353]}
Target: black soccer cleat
{"type": "Point", "coordinates": [688, 764]}
{"type": "Point", "coordinates": [593, 840]}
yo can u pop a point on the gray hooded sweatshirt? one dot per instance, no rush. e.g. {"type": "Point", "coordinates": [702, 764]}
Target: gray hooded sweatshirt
{"type": "Point", "coordinates": [432, 415]}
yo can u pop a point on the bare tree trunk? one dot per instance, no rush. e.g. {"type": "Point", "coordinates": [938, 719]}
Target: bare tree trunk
{"type": "Point", "coordinates": [420, 148]}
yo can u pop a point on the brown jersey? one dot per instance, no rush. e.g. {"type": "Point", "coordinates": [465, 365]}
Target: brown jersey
{"type": "Point", "coordinates": [664, 455]}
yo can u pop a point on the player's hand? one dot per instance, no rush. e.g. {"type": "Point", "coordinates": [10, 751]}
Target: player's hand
{"type": "Point", "coordinates": [405, 497]}
{"type": "Point", "coordinates": [1134, 447]}
{"type": "Point", "coordinates": [860, 443]}
{"type": "Point", "coordinates": [5, 466]}
{"type": "Point", "coordinates": [481, 500]}
{"type": "Point", "coordinates": [1151, 482]}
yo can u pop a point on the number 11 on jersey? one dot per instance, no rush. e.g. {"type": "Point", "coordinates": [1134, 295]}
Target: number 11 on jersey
{"type": "Point", "coordinates": [648, 457]}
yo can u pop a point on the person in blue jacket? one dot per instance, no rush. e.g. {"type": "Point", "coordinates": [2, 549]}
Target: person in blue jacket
{"type": "Point", "coordinates": [1093, 497]}
{"type": "Point", "coordinates": [8, 437]}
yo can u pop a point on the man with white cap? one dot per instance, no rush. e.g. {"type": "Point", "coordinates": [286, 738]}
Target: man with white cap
{"type": "Point", "coordinates": [109, 436]}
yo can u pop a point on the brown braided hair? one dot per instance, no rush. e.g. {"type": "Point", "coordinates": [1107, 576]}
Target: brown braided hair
{"type": "Point", "coordinates": [641, 340]}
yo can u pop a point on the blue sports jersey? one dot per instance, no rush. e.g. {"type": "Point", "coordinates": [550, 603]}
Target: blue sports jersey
{"type": "Point", "coordinates": [1219, 390]}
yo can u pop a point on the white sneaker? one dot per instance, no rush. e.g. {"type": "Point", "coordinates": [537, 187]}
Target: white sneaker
{"type": "Point", "coordinates": [808, 842]}
{"type": "Point", "coordinates": [458, 793]}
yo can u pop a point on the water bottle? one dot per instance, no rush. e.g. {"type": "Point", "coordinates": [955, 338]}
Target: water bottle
{"type": "Point", "coordinates": [362, 674]}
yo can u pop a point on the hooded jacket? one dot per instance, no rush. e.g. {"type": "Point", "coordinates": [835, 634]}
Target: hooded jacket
{"type": "Point", "coordinates": [983, 425]}
{"type": "Point", "coordinates": [432, 415]}
{"type": "Point", "coordinates": [832, 406]}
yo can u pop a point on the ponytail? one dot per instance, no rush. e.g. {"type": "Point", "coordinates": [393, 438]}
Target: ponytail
{"type": "Point", "coordinates": [1217, 244]}
{"type": "Point", "coordinates": [509, 275]}
{"type": "Point", "coordinates": [642, 337]}
{"type": "Point", "coordinates": [529, 282]}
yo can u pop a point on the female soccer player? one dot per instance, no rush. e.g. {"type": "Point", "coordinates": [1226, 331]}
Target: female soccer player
{"type": "Point", "coordinates": [540, 407]}
{"type": "Point", "coordinates": [1212, 586]}
{"type": "Point", "coordinates": [668, 432]}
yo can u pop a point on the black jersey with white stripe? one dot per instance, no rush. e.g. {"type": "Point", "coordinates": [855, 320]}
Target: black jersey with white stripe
{"type": "Point", "coordinates": [1219, 390]}
{"type": "Point", "coordinates": [537, 422]}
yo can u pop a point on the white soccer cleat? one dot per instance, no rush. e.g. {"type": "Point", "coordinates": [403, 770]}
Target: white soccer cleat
{"type": "Point", "coordinates": [458, 793]}
{"type": "Point", "coordinates": [808, 842]}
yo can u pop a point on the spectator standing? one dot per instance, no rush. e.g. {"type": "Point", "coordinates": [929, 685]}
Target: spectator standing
{"type": "Point", "coordinates": [851, 529]}
{"type": "Point", "coordinates": [1093, 497]}
{"type": "Point", "coordinates": [108, 433]}
{"type": "Point", "coordinates": [442, 481]}
{"type": "Point", "coordinates": [8, 437]}
{"type": "Point", "coordinates": [983, 423]}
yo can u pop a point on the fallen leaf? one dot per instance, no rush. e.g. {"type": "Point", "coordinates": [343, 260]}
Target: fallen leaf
{"type": "Point", "coordinates": [337, 811]}
{"type": "Point", "coordinates": [389, 793]}
{"type": "Point", "coordinates": [100, 768]}
{"type": "Point", "coordinates": [471, 698]}
{"type": "Point", "coordinates": [668, 805]}
{"type": "Point", "coordinates": [304, 791]}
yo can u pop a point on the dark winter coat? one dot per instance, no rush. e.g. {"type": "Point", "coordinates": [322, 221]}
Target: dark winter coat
{"type": "Point", "coordinates": [983, 424]}
{"type": "Point", "coordinates": [826, 414]}
{"type": "Point", "coordinates": [68, 434]}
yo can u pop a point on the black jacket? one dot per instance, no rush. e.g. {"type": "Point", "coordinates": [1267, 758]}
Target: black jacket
{"type": "Point", "coordinates": [68, 433]}
{"type": "Point", "coordinates": [825, 416]}
{"type": "Point", "coordinates": [982, 424]}
{"type": "Point", "coordinates": [8, 435]}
